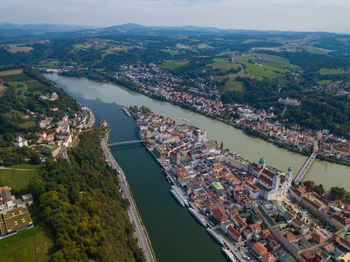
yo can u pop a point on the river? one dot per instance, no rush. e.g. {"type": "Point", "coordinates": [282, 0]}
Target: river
{"type": "Point", "coordinates": [174, 234]}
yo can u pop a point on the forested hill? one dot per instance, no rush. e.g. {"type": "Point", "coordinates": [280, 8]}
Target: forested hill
{"type": "Point", "coordinates": [80, 201]}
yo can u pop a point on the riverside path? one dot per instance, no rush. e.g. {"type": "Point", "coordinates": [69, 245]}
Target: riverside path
{"type": "Point", "coordinates": [142, 236]}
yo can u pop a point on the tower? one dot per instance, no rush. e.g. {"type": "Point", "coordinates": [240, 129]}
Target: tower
{"type": "Point", "coordinates": [289, 176]}
{"type": "Point", "coordinates": [262, 163]}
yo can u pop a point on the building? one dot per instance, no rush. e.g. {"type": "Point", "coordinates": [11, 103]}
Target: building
{"type": "Point", "coordinates": [272, 185]}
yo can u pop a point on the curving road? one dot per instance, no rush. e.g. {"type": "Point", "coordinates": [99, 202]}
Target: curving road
{"type": "Point", "coordinates": [134, 217]}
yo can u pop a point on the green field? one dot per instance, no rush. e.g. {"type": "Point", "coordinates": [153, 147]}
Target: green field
{"type": "Point", "coordinates": [203, 46]}
{"type": "Point", "coordinates": [324, 82]}
{"type": "Point", "coordinates": [80, 47]}
{"type": "Point", "coordinates": [172, 52]}
{"type": "Point", "coordinates": [174, 64]}
{"type": "Point", "coordinates": [330, 71]}
{"type": "Point", "coordinates": [233, 85]}
{"type": "Point", "coordinates": [32, 245]}
{"type": "Point", "coordinates": [18, 176]}
{"type": "Point", "coordinates": [3, 90]}
{"type": "Point", "coordinates": [265, 65]}
{"type": "Point", "coordinates": [51, 64]}
{"type": "Point", "coordinates": [11, 72]}
{"type": "Point", "coordinates": [224, 64]}
{"type": "Point", "coordinates": [27, 124]}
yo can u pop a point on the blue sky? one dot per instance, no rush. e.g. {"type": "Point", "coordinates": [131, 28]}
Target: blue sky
{"type": "Point", "coordinates": [295, 15]}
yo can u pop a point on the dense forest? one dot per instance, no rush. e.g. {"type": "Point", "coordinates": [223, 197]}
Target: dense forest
{"type": "Point", "coordinates": [80, 201]}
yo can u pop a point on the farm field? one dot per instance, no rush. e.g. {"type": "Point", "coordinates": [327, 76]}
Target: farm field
{"type": "Point", "coordinates": [11, 72]}
{"type": "Point", "coordinates": [330, 71]}
{"type": "Point", "coordinates": [174, 64]}
{"type": "Point", "coordinates": [224, 64]}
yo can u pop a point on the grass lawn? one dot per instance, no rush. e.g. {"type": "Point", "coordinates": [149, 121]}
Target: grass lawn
{"type": "Point", "coordinates": [16, 177]}
{"type": "Point", "coordinates": [27, 124]}
{"type": "Point", "coordinates": [11, 72]}
{"type": "Point", "coordinates": [330, 71]}
{"type": "Point", "coordinates": [32, 245]}
{"type": "Point", "coordinates": [174, 64]}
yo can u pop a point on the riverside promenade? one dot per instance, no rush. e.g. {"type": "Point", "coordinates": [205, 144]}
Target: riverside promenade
{"type": "Point", "coordinates": [141, 233]}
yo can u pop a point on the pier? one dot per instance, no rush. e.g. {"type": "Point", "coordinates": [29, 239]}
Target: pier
{"type": "Point", "coordinates": [305, 168]}
{"type": "Point", "coordinates": [126, 142]}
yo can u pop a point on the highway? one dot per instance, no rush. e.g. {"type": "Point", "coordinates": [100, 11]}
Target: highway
{"type": "Point", "coordinates": [134, 217]}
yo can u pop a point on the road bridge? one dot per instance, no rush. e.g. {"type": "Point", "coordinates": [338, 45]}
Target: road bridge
{"type": "Point", "coordinates": [126, 142]}
{"type": "Point", "coordinates": [305, 167]}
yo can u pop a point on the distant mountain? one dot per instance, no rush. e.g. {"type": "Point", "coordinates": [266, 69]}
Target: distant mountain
{"type": "Point", "coordinates": [9, 29]}
{"type": "Point", "coordinates": [137, 29]}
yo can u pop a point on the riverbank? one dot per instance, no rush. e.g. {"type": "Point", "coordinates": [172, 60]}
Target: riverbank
{"type": "Point", "coordinates": [248, 131]}
{"type": "Point", "coordinates": [140, 230]}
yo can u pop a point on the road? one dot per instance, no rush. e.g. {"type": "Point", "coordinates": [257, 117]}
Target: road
{"type": "Point", "coordinates": [91, 118]}
{"type": "Point", "coordinates": [135, 219]}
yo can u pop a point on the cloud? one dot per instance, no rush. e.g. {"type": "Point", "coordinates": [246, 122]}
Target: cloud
{"type": "Point", "coordinates": [297, 15]}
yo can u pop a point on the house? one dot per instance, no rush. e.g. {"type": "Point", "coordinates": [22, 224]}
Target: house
{"type": "Point", "coordinates": [20, 142]}
{"type": "Point", "coordinates": [259, 249]}
{"type": "Point", "coordinates": [234, 234]}
{"type": "Point", "coordinates": [268, 257]}
{"type": "Point", "coordinates": [220, 215]}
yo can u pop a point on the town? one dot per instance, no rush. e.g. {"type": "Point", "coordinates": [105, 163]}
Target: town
{"type": "Point", "coordinates": [151, 80]}
{"type": "Point", "coordinates": [255, 211]}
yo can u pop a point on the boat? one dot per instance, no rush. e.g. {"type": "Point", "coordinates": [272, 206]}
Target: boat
{"type": "Point", "coordinates": [169, 180]}
{"type": "Point", "coordinates": [228, 254]}
{"type": "Point", "coordinates": [126, 112]}
{"type": "Point", "coordinates": [177, 197]}
{"type": "Point", "coordinates": [200, 219]}
{"type": "Point", "coordinates": [216, 236]}
{"type": "Point", "coordinates": [184, 119]}
{"type": "Point", "coordinates": [180, 195]}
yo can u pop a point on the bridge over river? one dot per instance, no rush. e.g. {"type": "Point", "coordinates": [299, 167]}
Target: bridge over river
{"type": "Point", "coordinates": [305, 167]}
{"type": "Point", "coordinates": [126, 142]}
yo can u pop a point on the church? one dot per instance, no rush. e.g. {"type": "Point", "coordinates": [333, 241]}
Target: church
{"type": "Point", "coordinates": [272, 184]}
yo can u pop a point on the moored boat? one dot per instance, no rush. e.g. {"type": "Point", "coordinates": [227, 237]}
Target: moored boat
{"type": "Point", "coordinates": [177, 197]}
{"type": "Point", "coordinates": [228, 254]}
{"type": "Point", "coordinates": [200, 219]}
{"type": "Point", "coordinates": [216, 236]}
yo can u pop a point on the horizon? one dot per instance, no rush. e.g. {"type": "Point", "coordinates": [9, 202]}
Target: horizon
{"type": "Point", "coordinates": [87, 26]}
{"type": "Point", "coordinates": [265, 15]}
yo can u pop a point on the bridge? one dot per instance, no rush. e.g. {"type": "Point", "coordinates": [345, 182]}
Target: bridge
{"type": "Point", "coordinates": [126, 142]}
{"type": "Point", "coordinates": [305, 167]}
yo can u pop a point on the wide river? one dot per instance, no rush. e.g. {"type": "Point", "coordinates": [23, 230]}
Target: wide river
{"type": "Point", "coordinates": [174, 234]}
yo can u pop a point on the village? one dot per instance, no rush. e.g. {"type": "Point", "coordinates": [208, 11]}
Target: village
{"type": "Point", "coordinates": [55, 137]}
{"type": "Point", "coordinates": [151, 80]}
{"type": "Point", "coordinates": [255, 211]}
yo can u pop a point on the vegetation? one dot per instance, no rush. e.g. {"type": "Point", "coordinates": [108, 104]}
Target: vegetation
{"type": "Point", "coordinates": [24, 87]}
{"type": "Point", "coordinates": [18, 177]}
{"type": "Point", "coordinates": [32, 245]}
{"type": "Point", "coordinates": [81, 203]}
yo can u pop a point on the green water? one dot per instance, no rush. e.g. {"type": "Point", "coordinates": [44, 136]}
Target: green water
{"type": "Point", "coordinates": [174, 234]}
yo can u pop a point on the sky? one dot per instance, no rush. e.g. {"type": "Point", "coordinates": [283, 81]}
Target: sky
{"type": "Point", "coordinates": [293, 15]}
